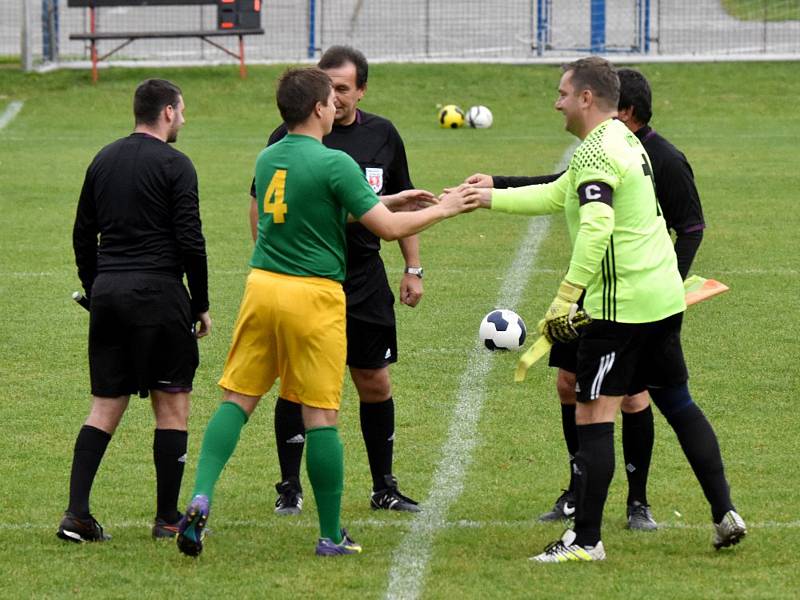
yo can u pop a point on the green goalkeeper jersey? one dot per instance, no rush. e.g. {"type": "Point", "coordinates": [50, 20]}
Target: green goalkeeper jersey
{"type": "Point", "coordinates": [622, 253]}
{"type": "Point", "coordinates": [304, 193]}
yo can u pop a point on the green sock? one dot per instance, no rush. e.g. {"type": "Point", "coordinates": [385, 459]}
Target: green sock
{"type": "Point", "coordinates": [219, 442]}
{"type": "Point", "coordinates": [325, 466]}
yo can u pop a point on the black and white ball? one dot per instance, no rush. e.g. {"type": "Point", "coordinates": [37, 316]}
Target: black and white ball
{"type": "Point", "coordinates": [479, 117]}
{"type": "Point", "coordinates": [502, 329]}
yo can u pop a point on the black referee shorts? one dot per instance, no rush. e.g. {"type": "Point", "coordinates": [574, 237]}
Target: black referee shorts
{"type": "Point", "coordinates": [370, 345]}
{"type": "Point", "coordinates": [564, 356]}
{"type": "Point", "coordinates": [615, 359]}
{"type": "Point", "coordinates": [141, 335]}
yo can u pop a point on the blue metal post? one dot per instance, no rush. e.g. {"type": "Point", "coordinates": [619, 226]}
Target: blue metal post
{"type": "Point", "coordinates": [50, 28]}
{"type": "Point", "coordinates": [598, 27]}
{"type": "Point", "coordinates": [541, 26]}
{"type": "Point", "coordinates": [312, 28]}
{"type": "Point", "coordinates": [646, 32]}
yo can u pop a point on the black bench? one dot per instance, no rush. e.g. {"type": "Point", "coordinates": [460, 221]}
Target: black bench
{"type": "Point", "coordinates": [235, 17]}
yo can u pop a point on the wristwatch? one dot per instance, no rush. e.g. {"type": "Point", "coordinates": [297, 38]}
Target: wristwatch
{"type": "Point", "coordinates": [414, 271]}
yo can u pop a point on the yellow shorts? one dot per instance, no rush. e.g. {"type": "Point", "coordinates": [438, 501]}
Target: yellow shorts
{"type": "Point", "coordinates": [292, 328]}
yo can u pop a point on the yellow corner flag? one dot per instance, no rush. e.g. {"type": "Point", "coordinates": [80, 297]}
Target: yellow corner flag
{"type": "Point", "coordinates": [539, 348]}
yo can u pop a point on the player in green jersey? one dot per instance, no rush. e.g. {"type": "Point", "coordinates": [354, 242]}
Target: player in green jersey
{"type": "Point", "coordinates": [624, 266]}
{"type": "Point", "coordinates": [291, 322]}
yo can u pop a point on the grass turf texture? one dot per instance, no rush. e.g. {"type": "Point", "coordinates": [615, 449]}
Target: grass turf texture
{"type": "Point", "coordinates": [730, 120]}
{"type": "Point", "coordinates": [763, 10]}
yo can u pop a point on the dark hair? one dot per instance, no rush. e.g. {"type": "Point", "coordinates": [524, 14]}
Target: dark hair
{"type": "Point", "coordinates": [337, 56]}
{"type": "Point", "coordinates": [299, 90]}
{"type": "Point", "coordinates": [634, 91]}
{"type": "Point", "coordinates": [150, 99]}
{"type": "Point", "coordinates": [599, 76]}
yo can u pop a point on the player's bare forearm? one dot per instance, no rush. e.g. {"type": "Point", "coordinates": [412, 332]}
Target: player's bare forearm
{"type": "Point", "coordinates": [393, 226]}
{"type": "Point", "coordinates": [409, 248]}
{"type": "Point", "coordinates": [412, 199]}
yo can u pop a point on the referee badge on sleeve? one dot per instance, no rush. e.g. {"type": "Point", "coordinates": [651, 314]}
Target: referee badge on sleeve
{"type": "Point", "coordinates": [375, 178]}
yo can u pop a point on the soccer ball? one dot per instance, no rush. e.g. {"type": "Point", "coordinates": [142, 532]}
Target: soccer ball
{"type": "Point", "coordinates": [451, 117]}
{"type": "Point", "coordinates": [479, 117]}
{"type": "Point", "coordinates": [502, 329]}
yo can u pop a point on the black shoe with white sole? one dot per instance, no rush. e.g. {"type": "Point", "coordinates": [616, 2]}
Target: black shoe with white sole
{"type": "Point", "coordinates": [78, 530]}
{"type": "Point", "coordinates": [390, 498]}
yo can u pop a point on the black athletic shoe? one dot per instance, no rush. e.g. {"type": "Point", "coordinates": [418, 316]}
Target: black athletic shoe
{"type": "Point", "coordinates": [640, 518]}
{"type": "Point", "coordinates": [290, 497]}
{"type": "Point", "coordinates": [74, 529]}
{"type": "Point", "coordinates": [564, 508]}
{"type": "Point", "coordinates": [165, 530]}
{"type": "Point", "coordinates": [390, 498]}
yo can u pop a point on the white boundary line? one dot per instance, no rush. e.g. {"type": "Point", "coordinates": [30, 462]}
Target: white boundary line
{"type": "Point", "coordinates": [11, 111]}
{"type": "Point", "coordinates": [407, 573]}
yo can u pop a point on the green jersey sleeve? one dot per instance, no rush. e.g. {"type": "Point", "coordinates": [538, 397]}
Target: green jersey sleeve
{"type": "Point", "coordinates": [350, 186]}
{"type": "Point", "coordinates": [595, 229]}
{"type": "Point", "coordinates": [540, 199]}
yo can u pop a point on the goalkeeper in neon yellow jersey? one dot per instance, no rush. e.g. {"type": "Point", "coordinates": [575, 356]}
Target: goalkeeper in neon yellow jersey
{"type": "Point", "coordinates": [624, 266]}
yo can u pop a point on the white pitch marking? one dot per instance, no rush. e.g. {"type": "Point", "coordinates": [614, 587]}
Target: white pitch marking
{"type": "Point", "coordinates": [407, 574]}
{"type": "Point", "coordinates": [11, 111]}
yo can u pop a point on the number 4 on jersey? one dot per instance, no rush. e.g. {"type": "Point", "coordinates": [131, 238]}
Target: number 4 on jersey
{"type": "Point", "coordinates": [273, 199]}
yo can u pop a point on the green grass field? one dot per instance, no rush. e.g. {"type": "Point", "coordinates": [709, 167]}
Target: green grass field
{"type": "Point", "coordinates": [738, 127]}
{"type": "Point", "coordinates": [761, 10]}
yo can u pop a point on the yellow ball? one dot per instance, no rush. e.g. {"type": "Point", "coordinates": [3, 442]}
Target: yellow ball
{"type": "Point", "coordinates": [451, 117]}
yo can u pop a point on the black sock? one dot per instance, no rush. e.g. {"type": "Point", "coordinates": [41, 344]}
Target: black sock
{"type": "Point", "coordinates": [90, 446]}
{"type": "Point", "coordinates": [594, 464]}
{"type": "Point", "coordinates": [290, 437]}
{"type": "Point", "coordinates": [169, 457]}
{"type": "Point", "coordinates": [571, 438]}
{"type": "Point", "coordinates": [699, 443]}
{"type": "Point", "coordinates": [377, 427]}
{"type": "Point", "coordinates": [637, 447]}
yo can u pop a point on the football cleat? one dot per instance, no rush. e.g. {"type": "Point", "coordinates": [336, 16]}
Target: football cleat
{"type": "Point", "coordinates": [191, 528]}
{"type": "Point", "coordinates": [566, 550]}
{"type": "Point", "coordinates": [564, 508]}
{"type": "Point", "coordinates": [163, 529]}
{"type": "Point", "coordinates": [729, 531]}
{"type": "Point", "coordinates": [76, 529]}
{"type": "Point", "coordinates": [640, 518]}
{"type": "Point", "coordinates": [326, 546]}
{"type": "Point", "coordinates": [290, 497]}
{"type": "Point", "coordinates": [390, 498]}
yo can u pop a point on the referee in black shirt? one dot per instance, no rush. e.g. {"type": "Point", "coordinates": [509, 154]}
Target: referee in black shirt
{"type": "Point", "coordinates": [374, 143]}
{"type": "Point", "coordinates": [137, 232]}
{"type": "Point", "coordinates": [680, 205]}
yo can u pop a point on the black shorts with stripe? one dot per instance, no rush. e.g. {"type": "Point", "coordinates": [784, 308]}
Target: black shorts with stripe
{"type": "Point", "coordinates": [370, 345]}
{"type": "Point", "coordinates": [564, 356]}
{"type": "Point", "coordinates": [615, 359]}
{"type": "Point", "coordinates": [141, 335]}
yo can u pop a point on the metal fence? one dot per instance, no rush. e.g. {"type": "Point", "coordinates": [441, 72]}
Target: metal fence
{"type": "Point", "coordinates": [419, 30]}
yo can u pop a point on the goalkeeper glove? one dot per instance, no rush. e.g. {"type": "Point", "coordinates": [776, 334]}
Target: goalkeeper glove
{"type": "Point", "coordinates": [564, 317]}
